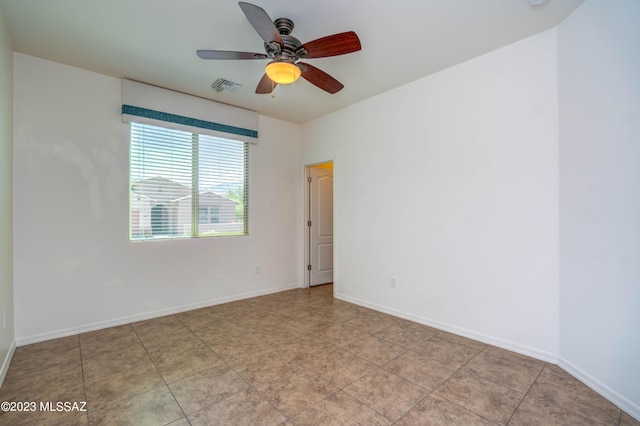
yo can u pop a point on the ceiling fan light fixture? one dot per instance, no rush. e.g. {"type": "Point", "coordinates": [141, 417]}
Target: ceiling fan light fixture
{"type": "Point", "coordinates": [282, 72]}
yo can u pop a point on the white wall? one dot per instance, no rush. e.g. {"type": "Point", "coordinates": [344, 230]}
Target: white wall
{"type": "Point", "coordinates": [74, 266]}
{"type": "Point", "coordinates": [599, 75]}
{"type": "Point", "coordinates": [450, 184]}
{"type": "Point", "coordinates": [7, 343]}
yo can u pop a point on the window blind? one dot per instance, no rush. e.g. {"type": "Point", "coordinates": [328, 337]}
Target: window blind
{"type": "Point", "coordinates": [185, 184]}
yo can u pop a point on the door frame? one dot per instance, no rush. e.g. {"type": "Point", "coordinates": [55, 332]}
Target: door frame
{"type": "Point", "coordinates": [305, 208]}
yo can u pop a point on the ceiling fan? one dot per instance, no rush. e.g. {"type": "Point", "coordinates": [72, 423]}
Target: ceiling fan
{"type": "Point", "coordinates": [285, 52]}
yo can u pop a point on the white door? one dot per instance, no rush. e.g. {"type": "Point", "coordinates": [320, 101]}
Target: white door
{"type": "Point", "coordinates": [320, 224]}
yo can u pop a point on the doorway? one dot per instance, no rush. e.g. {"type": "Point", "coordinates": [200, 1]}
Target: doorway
{"type": "Point", "coordinates": [319, 213]}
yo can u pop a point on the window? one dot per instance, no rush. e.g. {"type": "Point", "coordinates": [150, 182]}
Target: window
{"type": "Point", "coordinates": [186, 184]}
{"type": "Point", "coordinates": [209, 214]}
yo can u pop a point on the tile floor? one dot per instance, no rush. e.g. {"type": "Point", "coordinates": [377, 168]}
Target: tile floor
{"type": "Point", "coordinates": [297, 358]}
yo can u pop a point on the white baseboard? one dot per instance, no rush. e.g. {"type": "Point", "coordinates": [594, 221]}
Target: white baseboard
{"type": "Point", "coordinates": [615, 398]}
{"type": "Point", "coordinates": [41, 337]}
{"type": "Point", "coordinates": [6, 362]}
{"type": "Point", "coordinates": [490, 340]}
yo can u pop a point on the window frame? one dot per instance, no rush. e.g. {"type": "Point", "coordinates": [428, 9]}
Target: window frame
{"type": "Point", "coordinates": [195, 231]}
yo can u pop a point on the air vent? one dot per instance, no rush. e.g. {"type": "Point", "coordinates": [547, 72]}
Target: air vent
{"type": "Point", "coordinates": [223, 85]}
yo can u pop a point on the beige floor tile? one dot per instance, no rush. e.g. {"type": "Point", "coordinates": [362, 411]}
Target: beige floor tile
{"type": "Point", "coordinates": [57, 354]}
{"type": "Point", "coordinates": [235, 306]}
{"type": "Point", "coordinates": [556, 387]}
{"type": "Point", "coordinates": [50, 416]}
{"type": "Point", "coordinates": [94, 343]}
{"type": "Point", "coordinates": [245, 408]}
{"type": "Point", "coordinates": [375, 350]}
{"type": "Point", "coordinates": [503, 371]}
{"type": "Point", "coordinates": [107, 363]}
{"type": "Point", "coordinates": [418, 368]}
{"type": "Point", "coordinates": [336, 314]}
{"type": "Point", "coordinates": [285, 313]}
{"type": "Point", "coordinates": [219, 333]}
{"type": "Point", "coordinates": [446, 351]}
{"type": "Point", "coordinates": [533, 412]}
{"type": "Point", "coordinates": [105, 334]}
{"type": "Point", "coordinates": [260, 366]}
{"type": "Point", "coordinates": [490, 400]}
{"type": "Point", "coordinates": [462, 341]}
{"type": "Point", "coordinates": [386, 393]}
{"type": "Point", "coordinates": [153, 338]}
{"type": "Point", "coordinates": [341, 304]}
{"type": "Point", "coordinates": [172, 344]}
{"type": "Point", "coordinates": [200, 318]}
{"type": "Point", "coordinates": [404, 323]}
{"type": "Point", "coordinates": [404, 336]}
{"type": "Point", "coordinates": [242, 344]}
{"type": "Point", "coordinates": [514, 357]}
{"type": "Point", "coordinates": [295, 391]}
{"type": "Point", "coordinates": [366, 322]}
{"type": "Point", "coordinates": [339, 409]}
{"type": "Point", "coordinates": [341, 367]}
{"type": "Point", "coordinates": [239, 312]}
{"type": "Point", "coordinates": [189, 363]}
{"type": "Point", "coordinates": [54, 346]}
{"type": "Point", "coordinates": [312, 323]}
{"type": "Point", "coordinates": [44, 419]}
{"type": "Point", "coordinates": [273, 323]}
{"type": "Point", "coordinates": [437, 411]}
{"type": "Point", "coordinates": [53, 379]}
{"type": "Point", "coordinates": [180, 422]}
{"type": "Point", "coordinates": [106, 390]}
{"type": "Point", "coordinates": [279, 311]}
{"type": "Point", "coordinates": [158, 327]}
{"type": "Point", "coordinates": [317, 300]}
{"type": "Point", "coordinates": [32, 391]}
{"type": "Point", "coordinates": [627, 420]}
{"type": "Point", "coordinates": [197, 392]}
{"type": "Point", "coordinates": [203, 321]}
{"type": "Point", "coordinates": [340, 335]}
{"type": "Point", "coordinates": [252, 325]}
{"type": "Point", "coordinates": [304, 349]}
{"type": "Point", "coordinates": [156, 407]}
{"type": "Point", "coordinates": [274, 337]}
{"type": "Point", "coordinates": [346, 306]}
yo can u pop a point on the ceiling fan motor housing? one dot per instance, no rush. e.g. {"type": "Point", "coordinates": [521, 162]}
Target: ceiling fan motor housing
{"type": "Point", "coordinates": [289, 51]}
{"type": "Point", "coordinates": [284, 25]}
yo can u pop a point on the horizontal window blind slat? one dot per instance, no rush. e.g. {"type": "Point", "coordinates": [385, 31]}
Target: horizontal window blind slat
{"type": "Point", "coordinates": [162, 175]}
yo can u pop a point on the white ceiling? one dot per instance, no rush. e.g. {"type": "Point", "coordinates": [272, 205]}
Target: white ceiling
{"type": "Point", "coordinates": [154, 41]}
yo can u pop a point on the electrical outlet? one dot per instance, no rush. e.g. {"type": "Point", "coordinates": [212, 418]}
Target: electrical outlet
{"type": "Point", "coordinates": [258, 269]}
{"type": "Point", "coordinates": [392, 282]}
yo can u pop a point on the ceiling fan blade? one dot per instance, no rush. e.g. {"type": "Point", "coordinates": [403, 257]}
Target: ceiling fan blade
{"type": "Point", "coordinates": [319, 78]}
{"type": "Point", "coordinates": [261, 23]}
{"type": "Point", "coordinates": [225, 54]}
{"type": "Point", "coordinates": [265, 86]}
{"type": "Point", "coordinates": [333, 45]}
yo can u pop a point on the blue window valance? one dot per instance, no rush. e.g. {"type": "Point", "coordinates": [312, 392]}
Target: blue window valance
{"type": "Point", "coordinates": [153, 105]}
